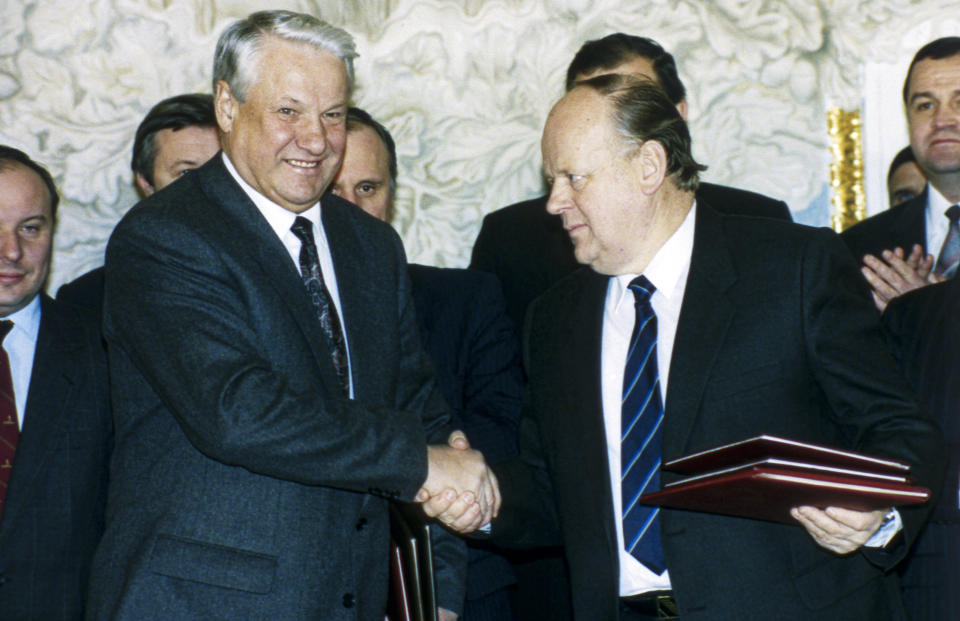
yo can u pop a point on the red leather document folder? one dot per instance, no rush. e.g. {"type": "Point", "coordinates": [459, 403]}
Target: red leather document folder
{"type": "Point", "coordinates": [766, 446]}
{"type": "Point", "coordinates": [766, 488]}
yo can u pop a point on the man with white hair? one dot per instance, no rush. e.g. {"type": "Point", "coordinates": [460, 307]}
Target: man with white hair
{"type": "Point", "coordinates": [270, 390]}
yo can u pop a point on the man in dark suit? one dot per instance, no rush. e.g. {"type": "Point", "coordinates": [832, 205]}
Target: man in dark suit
{"type": "Point", "coordinates": [55, 424]}
{"type": "Point", "coordinates": [925, 337]}
{"type": "Point", "coordinates": [471, 341]}
{"type": "Point", "coordinates": [754, 327]}
{"type": "Point", "coordinates": [269, 387]}
{"type": "Point", "coordinates": [918, 242]}
{"type": "Point", "coordinates": [178, 135]}
{"type": "Point", "coordinates": [526, 247]}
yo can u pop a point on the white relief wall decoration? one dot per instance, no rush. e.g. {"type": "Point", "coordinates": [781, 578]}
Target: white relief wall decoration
{"type": "Point", "coordinates": [464, 85]}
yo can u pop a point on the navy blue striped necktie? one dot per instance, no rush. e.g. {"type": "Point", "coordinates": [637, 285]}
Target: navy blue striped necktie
{"type": "Point", "coordinates": [640, 433]}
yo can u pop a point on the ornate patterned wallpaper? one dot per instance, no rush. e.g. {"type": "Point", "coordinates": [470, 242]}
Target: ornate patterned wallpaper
{"type": "Point", "coordinates": [464, 85]}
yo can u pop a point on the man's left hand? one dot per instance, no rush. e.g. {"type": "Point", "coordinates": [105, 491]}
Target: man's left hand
{"type": "Point", "coordinates": [839, 530]}
{"type": "Point", "coordinates": [892, 274]}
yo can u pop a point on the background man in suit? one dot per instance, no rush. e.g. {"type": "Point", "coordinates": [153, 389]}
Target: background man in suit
{"type": "Point", "coordinates": [55, 424]}
{"type": "Point", "coordinates": [925, 337]}
{"type": "Point", "coordinates": [897, 246]}
{"type": "Point", "coordinates": [526, 247]}
{"type": "Point", "coordinates": [471, 341]}
{"type": "Point", "coordinates": [754, 327]}
{"type": "Point", "coordinates": [178, 135]}
{"type": "Point", "coordinates": [905, 179]}
{"type": "Point", "coordinates": [265, 413]}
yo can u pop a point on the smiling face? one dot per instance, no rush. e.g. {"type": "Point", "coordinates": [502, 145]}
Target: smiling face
{"type": "Point", "coordinates": [596, 184]}
{"type": "Point", "coordinates": [26, 235]}
{"type": "Point", "coordinates": [364, 177]}
{"type": "Point", "coordinates": [287, 139]}
{"type": "Point", "coordinates": [933, 116]}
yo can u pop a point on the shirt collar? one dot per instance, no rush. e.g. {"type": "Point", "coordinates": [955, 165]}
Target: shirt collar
{"type": "Point", "coordinates": [279, 218]}
{"type": "Point", "coordinates": [27, 320]}
{"type": "Point", "coordinates": [668, 267]}
{"type": "Point", "coordinates": [937, 203]}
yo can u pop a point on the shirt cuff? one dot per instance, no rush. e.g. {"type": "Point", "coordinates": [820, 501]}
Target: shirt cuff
{"type": "Point", "coordinates": [891, 525]}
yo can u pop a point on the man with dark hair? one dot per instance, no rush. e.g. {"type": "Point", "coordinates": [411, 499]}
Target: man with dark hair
{"type": "Point", "coordinates": [55, 423]}
{"type": "Point", "coordinates": [269, 387]}
{"type": "Point", "coordinates": [918, 242]}
{"type": "Point", "coordinates": [471, 341]}
{"type": "Point", "coordinates": [178, 135]}
{"type": "Point", "coordinates": [690, 330]}
{"type": "Point", "coordinates": [905, 179]}
{"type": "Point", "coordinates": [526, 247]}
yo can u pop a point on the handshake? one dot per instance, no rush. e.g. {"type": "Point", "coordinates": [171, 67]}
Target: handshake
{"type": "Point", "coordinates": [460, 491]}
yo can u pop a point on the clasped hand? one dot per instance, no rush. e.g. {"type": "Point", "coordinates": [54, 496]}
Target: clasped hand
{"type": "Point", "coordinates": [841, 531]}
{"type": "Point", "coordinates": [893, 274]}
{"type": "Point", "coordinates": [461, 491]}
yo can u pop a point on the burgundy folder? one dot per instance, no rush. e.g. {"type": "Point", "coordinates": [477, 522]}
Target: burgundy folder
{"type": "Point", "coordinates": [764, 477]}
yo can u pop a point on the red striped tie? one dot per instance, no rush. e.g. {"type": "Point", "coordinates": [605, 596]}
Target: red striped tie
{"type": "Point", "coordinates": [9, 428]}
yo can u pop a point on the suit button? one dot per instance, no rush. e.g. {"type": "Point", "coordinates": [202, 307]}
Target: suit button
{"type": "Point", "coordinates": [3, 579]}
{"type": "Point", "coordinates": [349, 600]}
{"type": "Point", "coordinates": [361, 523]}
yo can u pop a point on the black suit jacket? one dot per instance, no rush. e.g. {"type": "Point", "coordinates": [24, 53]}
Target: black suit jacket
{"type": "Point", "coordinates": [924, 328]}
{"type": "Point", "coordinates": [55, 503]}
{"type": "Point", "coordinates": [901, 226]}
{"type": "Point", "coordinates": [772, 338]}
{"type": "Point", "coordinates": [85, 291]}
{"type": "Point", "coordinates": [473, 346]}
{"type": "Point", "coordinates": [528, 250]}
{"type": "Point", "coordinates": [244, 484]}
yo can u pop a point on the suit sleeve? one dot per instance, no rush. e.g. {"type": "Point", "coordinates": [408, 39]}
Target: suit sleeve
{"type": "Point", "coordinates": [178, 308]}
{"type": "Point", "coordinates": [868, 397]}
{"type": "Point", "coordinates": [493, 383]}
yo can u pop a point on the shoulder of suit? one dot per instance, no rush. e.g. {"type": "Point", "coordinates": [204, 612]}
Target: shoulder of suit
{"type": "Point", "coordinates": [909, 209]}
{"type": "Point", "coordinates": [533, 209]}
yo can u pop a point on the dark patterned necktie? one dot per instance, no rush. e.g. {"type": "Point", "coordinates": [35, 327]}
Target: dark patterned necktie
{"type": "Point", "coordinates": [950, 252]}
{"type": "Point", "coordinates": [9, 427]}
{"type": "Point", "coordinates": [322, 302]}
{"type": "Point", "coordinates": [640, 433]}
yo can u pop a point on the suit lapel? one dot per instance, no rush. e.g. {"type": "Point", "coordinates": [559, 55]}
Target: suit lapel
{"type": "Point", "coordinates": [578, 402]}
{"type": "Point", "coordinates": [704, 318]}
{"type": "Point", "coordinates": [912, 223]}
{"type": "Point", "coordinates": [251, 235]}
{"type": "Point", "coordinates": [52, 381]}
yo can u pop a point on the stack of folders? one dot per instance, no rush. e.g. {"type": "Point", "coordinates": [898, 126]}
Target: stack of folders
{"type": "Point", "coordinates": [764, 476]}
{"type": "Point", "coordinates": [413, 586]}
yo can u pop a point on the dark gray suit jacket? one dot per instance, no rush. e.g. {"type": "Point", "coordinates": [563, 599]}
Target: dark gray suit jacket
{"type": "Point", "coordinates": [901, 226]}
{"type": "Point", "coordinates": [244, 485]}
{"type": "Point", "coordinates": [58, 488]}
{"type": "Point", "coordinates": [774, 336]}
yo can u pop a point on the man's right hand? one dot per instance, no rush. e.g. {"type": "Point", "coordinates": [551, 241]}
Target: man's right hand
{"type": "Point", "coordinates": [461, 491]}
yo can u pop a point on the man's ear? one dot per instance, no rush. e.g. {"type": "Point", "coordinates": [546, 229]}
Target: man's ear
{"type": "Point", "coordinates": [682, 108]}
{"type": "Point", "coordinates": [224, 106]}
{"type": "Point", "coordinates": [144, 187]}
{"type": "Point", "coordinates": [651, 158]}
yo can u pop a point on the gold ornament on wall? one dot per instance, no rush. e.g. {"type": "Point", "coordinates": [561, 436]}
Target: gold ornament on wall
{"type": "Point", "coordinates": [847, 199]}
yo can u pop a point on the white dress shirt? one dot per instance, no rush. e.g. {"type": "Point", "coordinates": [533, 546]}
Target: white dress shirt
{"type": "Point", "coordinates": [280, 220]}
{"type": "Point", "coordinates": [668, 272]}
{"type": "Point", "coordinates": [21, 345]}
{"type": "Point", "coordinates": [937, 223]}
